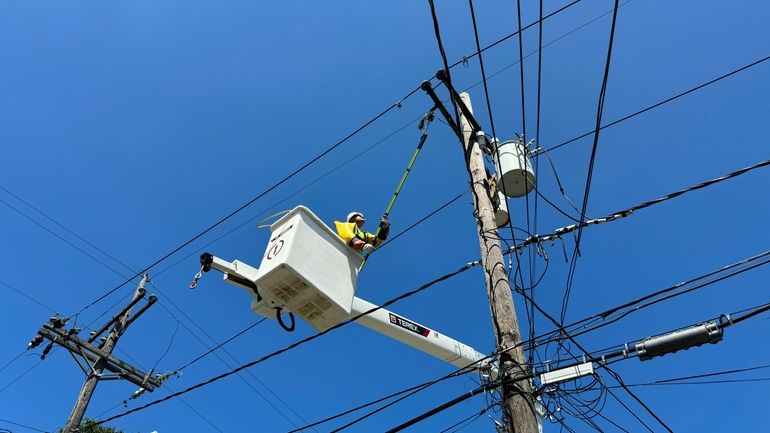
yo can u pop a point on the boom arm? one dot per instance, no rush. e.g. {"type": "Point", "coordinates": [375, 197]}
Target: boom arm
{"type": "Point", "coordinates": [380, 320]}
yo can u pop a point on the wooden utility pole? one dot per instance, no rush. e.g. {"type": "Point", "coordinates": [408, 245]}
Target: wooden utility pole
{"type": "Point", "coordinates": [96, 372]}
{"type": "Point", "coordinates": [518, 402]}
{"type": "Point", "coordinates": [519, 405]}
{"type": "Point", "coordinates": [98, 358]}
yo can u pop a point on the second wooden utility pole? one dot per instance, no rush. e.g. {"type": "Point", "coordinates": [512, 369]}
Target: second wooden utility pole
{"type": "Point", "coordinates": [518, 400]}
{"type": "Point", "coordinates": [121, 322]}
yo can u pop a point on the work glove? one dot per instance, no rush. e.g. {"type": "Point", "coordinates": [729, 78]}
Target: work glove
{"type": "Point", "coordinates": [367, 249]}
{"type": "Point", "coordinates": [384, 228]}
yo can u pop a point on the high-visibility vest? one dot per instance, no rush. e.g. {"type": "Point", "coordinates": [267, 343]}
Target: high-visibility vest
{"type": "Point", "coordinates": [349, 232]}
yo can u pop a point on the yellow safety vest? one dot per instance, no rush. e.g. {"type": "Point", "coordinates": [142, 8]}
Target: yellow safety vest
{"type": "Point", "coordinates": [349, 232]}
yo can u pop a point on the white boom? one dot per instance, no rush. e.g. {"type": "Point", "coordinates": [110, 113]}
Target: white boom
{"type": "Point", "coordinates": [380, 320]}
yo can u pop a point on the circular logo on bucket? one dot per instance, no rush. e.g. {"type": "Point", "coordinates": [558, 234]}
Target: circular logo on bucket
{"type": "Point", "coordinates": [275, 249]}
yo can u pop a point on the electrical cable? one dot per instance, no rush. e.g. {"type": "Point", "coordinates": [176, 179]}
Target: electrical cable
{"type": "Point", "coordinates": [702, 382]}
{"type": "Point", "coordinates": [203, 355]}
{"type": "Point", "coordinates": [505, 38]}
{"type": "Point", "coordinates": [20, 376]}
{"type": "Point", "coordinates": [465, 422]}
{"type": "Point", "coordinates": [396, 401]}
{"type": "Point", "coordinates": [589, 177]}
{"type": "Point", "coordinates": [629, 211]}
{"type": "Point", "coordinates": [658, 104]}
{"type": "Point", "coordinates": [702, 375]}
{"type": "Point", "coordinates": [421, 220]}
{"type": "Point", "coordinates": [638, 400]}
{"type": "Point", "coordinates": [165, 385]}
{"type": "Point", "coordinates": [168, 348]}
{"type": "Point", "coordinates": [25, 426]}
{"type": "Point", "coordinates": [82, 251]}
{"type": "Point", "coordinates": [237, 362]}
{"type": "Point", "coordinates": [28, 297]}
{"type": "Point", "coordinates": [417, 388]}
{"type": "Point", "coordinates": [437, 32]}
{"type": "Point", "coordinates": [12, 360]}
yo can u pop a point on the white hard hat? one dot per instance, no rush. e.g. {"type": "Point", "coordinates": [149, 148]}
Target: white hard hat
{"type": "Point", "coordinates": [352, 215]}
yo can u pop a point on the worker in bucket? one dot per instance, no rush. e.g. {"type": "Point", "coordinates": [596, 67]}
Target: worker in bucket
{"type": "Point", "coordinates": [351, 232]}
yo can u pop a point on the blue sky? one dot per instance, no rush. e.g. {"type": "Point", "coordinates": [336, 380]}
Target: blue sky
{"type": "Point", "coordinates": [137, 125]}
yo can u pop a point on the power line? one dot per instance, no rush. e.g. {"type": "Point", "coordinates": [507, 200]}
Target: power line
{"type": "Point", "coordinates": [82, 251]}
{"type": "Point", "coordinates": [415, 388]}
{"type": "Point", "coordinates": [165, 385]}
{"type": "Point", "coordinates": [7, 364]}
{"type": "Point", "coordinates": [230, 364]}
{"type": "Point", "coordinates": [20, 376]}
{"type": "Point", "coordinates": [505, 38]}
{"type": "Point", "coordinates": [49, 218]}
{"type": "Point", "coordinates": [24, 426]}
{"type": "Point", "coordinates": [465, 422]}
{"type": "Point", "coordinates": [658, 104]}
{"type": "Point", "coordinates": [589, 177]}
{"type": "Point", "coordinates": [203, 355]}
{"type": "Point", "coordinates": [702, 375]}
{"type": "Point", "coordinates": [534, 239]}
{"type": "Point", "coordinates": [47, 307]}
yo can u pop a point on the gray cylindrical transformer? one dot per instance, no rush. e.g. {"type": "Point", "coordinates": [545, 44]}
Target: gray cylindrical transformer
{"type": "Point", "coordinates": [683, 339]}
{"type": "Point", "coordinates": [515, 177]}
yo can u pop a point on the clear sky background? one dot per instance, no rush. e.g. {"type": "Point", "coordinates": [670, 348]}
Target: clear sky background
{"type": "Point", "coordinates": [137, 125]}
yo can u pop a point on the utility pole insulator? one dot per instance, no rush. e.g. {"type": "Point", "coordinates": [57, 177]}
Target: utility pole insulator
{"type": "Point", "coordinates": [697, 335]}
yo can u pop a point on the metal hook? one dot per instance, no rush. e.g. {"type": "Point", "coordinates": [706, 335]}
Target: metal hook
{"type": "Point", "coordinates": [197, 277]}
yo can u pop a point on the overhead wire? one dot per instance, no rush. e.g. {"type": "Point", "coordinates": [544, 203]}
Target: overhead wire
{"type": "Point", "coordinates": [415, 388]}
{"type": "Point", "coordinates": [37, 301]}
{"type": "Point", "coordinates": [676, 380]}
{"type": "Point", "coordinates": [7, 364]}
{"type": "Point", "coordinates": [589, 177]}
{"type": "Point", "coordinates": [531, 309]}
{"type": "Point", "coordinates": [663, 102]}
{"type": "Point", "coordinates": [465, 422]}
{"type": "Point", "coordinates": [166, 386]}
{"type": "Point", "coordinates": [24, 426]}
{"type": "Point", "coordinates": [228, 364]}
{"type": "Point", "coordinates": [208, 352]}
{"type": "Point", "coordinates": [513, 34]}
